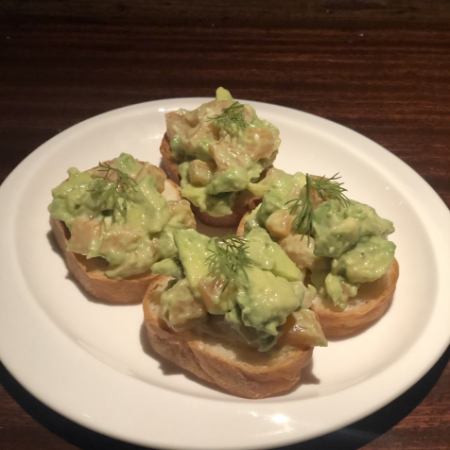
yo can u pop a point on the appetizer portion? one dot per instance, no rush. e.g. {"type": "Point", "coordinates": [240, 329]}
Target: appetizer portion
{"type": "Point", "coordinates": [214, 152]}
{"type": "Point", "coordinates": [341, 244]}
{"type": "Point", "coordinates": [115, 225]}
{"type": "Point", "coordinates": [237, 316]}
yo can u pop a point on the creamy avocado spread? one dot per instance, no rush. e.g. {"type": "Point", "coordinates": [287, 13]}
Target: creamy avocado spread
{"type": "Point", "coordinates": [340, 243]}
{"type": "Point", "coordinates": [116, 212]}
{"type": "Point", "coordinates": [241, 287]}
{"type": "Point", "coordinates": [220, 148]}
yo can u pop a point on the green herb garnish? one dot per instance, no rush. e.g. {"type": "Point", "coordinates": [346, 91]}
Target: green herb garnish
{"type": "Point", "coordinates": [330, 188]}
{"type": "Point", "coordinates": [302, 207]}
{"type": "Point", "coordinates": [113, 190]}
{"type": "Point", "coordinates": [231, 118]}
{"type": "Point", "coordinates": [228, 257]}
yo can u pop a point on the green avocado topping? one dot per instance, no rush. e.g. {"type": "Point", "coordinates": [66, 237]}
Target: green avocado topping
{"type": "Point", "coordinates": [117, 212]}
{"type": "Point", "coordinates": [249, 282]}
{"type": "Point", "coordinates": [339, 242]}
{"type": "Point", "coordinates": [220, 148]}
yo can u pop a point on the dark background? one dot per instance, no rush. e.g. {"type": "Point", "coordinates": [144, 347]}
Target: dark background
{"type": "Point", "coordinates": [379, 67]}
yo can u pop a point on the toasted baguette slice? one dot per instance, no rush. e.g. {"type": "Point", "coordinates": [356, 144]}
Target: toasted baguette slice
{"type": "Point", "coordinates": [90, 272]}
{"type": "Point", "coordinates": [371, 303]}
{"type": "Point", "coordinates": [244, 201]}
{"type": "Point", "coordinates": [228, 366]}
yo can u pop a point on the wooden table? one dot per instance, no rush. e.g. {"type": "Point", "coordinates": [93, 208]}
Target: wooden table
{"type": "Point", "coordinates": [379, 67]}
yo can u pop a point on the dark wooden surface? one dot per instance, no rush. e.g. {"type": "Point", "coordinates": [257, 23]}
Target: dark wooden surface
{"type": "Point", "coordinates": [379, 67]}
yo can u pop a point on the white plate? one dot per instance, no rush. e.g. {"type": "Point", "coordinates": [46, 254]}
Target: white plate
{"type": "Point", "coordinates": [88, 361]}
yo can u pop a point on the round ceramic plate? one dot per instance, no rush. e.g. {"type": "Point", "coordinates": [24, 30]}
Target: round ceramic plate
{"type": "Point", "coordinates": [90, 362]}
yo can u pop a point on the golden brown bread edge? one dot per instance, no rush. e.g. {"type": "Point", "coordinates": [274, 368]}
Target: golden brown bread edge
{"type": "Point", "coordinates": [230, 367]}
{"type": "Point", "coordinates": [244, 200]}
{"type": "Point", "coordinates": [90, 275]}
{"type": "Point", "coordinates": [372, 301]}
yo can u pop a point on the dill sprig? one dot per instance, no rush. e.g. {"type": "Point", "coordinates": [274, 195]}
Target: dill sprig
{"type": "Point", "coordinates": [325, 188]}
{"type": "Point", "coordinates": [113, 189]}
{"type": "Point", "coordinates": [228, 257]}
{"type": "Point", "coordinates": [231, 118]}
{"type": "Point", "coordinates": [330, 188]}
{"type": "Point", "coordinates": [302, 209]}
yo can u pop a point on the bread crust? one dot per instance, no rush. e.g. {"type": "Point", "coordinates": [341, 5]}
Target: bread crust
{"type": "Point", "coordinates": [242, 372]}
{"type": "Point", "coordinates": [168, 163]}
{"type": "Point", "coordinates": [240, 230]}
{"type": "Point", "coordinates": [244, 200]}
{"type": "Point", "coordinates": [372, 302]}
{"type": "Point", "coordinates": [89, 273]}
